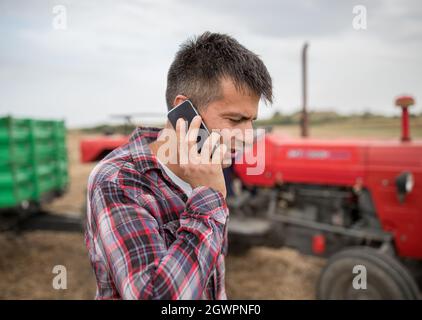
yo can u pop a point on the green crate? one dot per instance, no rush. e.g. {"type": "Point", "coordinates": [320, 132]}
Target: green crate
{"type": "Point", "coordinates": [62, 182]}
{"type": "Point", "coordinates": [11, 176]}
{"type": "Point", "coordinates": [16, 153]}
{"type": "Point", "coordinates": [44, 149]}
{"type": "Point", "coordinates": [45, 168]}
{"type": "Point", "coordinates": [42, 129]}
{"type": "Point", "coordinates": [16, 185]}
{"type": "Point", "coordinates": [62, 173]}
{"type": "Point", "coordinates": [12, 197]}
{"type": "Point", "coordinates": [13, 129]}
{"type": "Point", "coordinates": [44, 185]}
{"type": "Point", "coordinates": [33, 160]}
{"type": "Point", "coordinates": [61, 151]}
{"type": "Point", "coordinates": [59, 130]}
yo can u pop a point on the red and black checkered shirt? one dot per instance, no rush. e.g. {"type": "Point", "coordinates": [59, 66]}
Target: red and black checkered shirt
{"type": "Point", "coordinates": [148, 240]}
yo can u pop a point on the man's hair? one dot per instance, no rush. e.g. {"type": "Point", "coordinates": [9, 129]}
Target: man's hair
{"type": "Point", "coordinates": [202, 62]}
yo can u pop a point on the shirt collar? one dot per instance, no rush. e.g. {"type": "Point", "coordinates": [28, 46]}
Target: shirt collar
{"type": "Point", "coordinates": [142, 156]}
{"type": "Point", "coordinates": [139, 148]}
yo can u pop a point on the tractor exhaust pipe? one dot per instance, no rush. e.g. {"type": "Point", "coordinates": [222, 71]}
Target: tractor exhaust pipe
{"type": "Point", "coordinates": [304, 120]}
{"type": "Point", "coordinates": [404, 102]}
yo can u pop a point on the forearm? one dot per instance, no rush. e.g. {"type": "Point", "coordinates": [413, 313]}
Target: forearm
{"type": "Point", "coordinates": [182, 271]}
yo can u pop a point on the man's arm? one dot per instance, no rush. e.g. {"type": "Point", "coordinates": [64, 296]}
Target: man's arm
{"type": "Point", "coordinates": [141, 265]}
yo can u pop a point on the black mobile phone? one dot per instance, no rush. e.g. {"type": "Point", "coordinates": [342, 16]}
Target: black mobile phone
{"type": "Point", "coordinates": [187, 111]}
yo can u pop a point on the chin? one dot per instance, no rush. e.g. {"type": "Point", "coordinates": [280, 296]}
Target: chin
{"type": "Point", "coordinates": [227, 162]}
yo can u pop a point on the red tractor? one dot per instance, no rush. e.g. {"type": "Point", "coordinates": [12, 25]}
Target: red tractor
{"type": "Point", "coordinates": [357, 202]}
{"type": "Point", "coordinates": [96, 148]}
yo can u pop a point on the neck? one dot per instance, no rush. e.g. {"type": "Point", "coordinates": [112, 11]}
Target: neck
{"type": "Point", "coordinates": [173, 164]}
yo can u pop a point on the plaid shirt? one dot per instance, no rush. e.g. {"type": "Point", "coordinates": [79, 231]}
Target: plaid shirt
{"type": "Point", "coordinates": [146, 239]}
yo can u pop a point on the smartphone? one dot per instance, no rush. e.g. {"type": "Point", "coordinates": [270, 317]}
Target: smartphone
{"type": "Point", "coordinates": [187, 111]}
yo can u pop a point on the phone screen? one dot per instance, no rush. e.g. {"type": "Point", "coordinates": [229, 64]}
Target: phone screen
{"type": "Point", "coordinates": [187, 111]}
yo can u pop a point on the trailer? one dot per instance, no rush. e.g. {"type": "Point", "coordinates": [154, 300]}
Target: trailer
{"type": "Point", "coordinates": [33, 171]}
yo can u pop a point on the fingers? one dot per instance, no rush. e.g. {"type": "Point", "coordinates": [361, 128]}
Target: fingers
{"type": "Point", "coordinates": [180, 129]}
{"type": "Point", "coordinates": [193, 132]}
{"type": "Point", "coordinates": [209, 146]}
{"type": "Point", "coordinates": [187, 144]}
{"type": "Point", "coordinates": [187, 138]}
{"type": "Point", "coordinates": [181, 138]}
{"type": "Point", "coordinates": [218, 155]}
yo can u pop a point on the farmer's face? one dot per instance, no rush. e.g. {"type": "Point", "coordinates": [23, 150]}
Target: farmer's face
{"type": "Point", "coordinates": [232, 117]}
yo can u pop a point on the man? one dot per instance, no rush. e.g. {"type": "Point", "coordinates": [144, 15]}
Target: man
{"type": "Point", "coordinates": [157, 225]}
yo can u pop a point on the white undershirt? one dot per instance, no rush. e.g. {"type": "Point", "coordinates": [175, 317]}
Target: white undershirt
{"type": "Point", "coordinates": [181, 183]}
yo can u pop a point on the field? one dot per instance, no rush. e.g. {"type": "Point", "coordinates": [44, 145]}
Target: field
{"type": "Point", "coordinates": [27, 260]}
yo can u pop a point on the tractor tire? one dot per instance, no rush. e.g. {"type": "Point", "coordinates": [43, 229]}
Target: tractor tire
{"type": "Point", "coordinates": [387, 278]}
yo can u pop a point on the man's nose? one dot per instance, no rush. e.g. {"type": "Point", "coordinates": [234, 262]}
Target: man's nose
{"type": "Point", "coordinates": [247, 125]}
{"type": "Point", "coordinates": [244, 137]}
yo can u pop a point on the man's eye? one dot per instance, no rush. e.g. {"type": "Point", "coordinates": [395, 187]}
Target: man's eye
{"type": "Point", "coordinates": [236, 120]}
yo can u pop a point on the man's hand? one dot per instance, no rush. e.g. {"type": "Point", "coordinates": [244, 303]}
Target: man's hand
{"type": "Point", "coordinates": [200, 169]}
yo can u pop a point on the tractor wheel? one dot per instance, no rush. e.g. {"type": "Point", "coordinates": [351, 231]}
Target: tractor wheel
{"type": "Point", "coordinates": [386, 277]}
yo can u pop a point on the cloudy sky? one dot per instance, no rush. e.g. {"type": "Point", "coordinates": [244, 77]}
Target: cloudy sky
{"type": "Point", "coordinates": [113, 56]}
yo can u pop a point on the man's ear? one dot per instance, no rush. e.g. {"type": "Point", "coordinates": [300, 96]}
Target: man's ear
{"type": "Point", "coordinates": [179, 99]}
